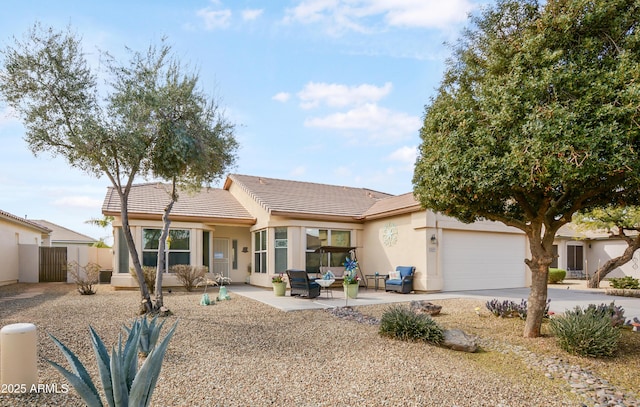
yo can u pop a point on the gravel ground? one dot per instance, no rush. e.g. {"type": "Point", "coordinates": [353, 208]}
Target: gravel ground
{"type": "Point", "coordinates": [241, 352]}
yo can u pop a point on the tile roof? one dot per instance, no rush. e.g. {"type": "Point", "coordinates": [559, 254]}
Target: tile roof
{"type": "Point", "coordinates": [149, 201]}
{"type": "Point", "coordinates": [24, 222]}
{"type": "Point", "coordinates": [395, 205]}
{"type": "Point", "coordinates": [307, 199]}
{"type": "Point", "coordinates": [62, 234]}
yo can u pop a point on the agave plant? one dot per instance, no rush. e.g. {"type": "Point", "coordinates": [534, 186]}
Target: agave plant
{"type": "Point", "coordinates": [123, 384]}
{"type": "Point", "coordinates": [149, 333]}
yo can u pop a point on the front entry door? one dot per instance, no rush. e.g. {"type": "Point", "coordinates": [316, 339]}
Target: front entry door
{"type": "Point", "coordinates": [221, 256]}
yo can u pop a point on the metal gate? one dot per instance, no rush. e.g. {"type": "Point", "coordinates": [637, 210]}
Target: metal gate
{"type": "Point", "coordinates": [53, 264]}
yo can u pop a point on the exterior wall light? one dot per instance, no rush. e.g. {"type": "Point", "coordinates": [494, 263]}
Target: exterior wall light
{"type": "Point", "coordinates": [434, 240]}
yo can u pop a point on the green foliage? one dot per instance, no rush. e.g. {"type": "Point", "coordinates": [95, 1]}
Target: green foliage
{"type": "Point", "coordinates": [556, 275]}
{"type": "Point", "coordinates": [609, 217]}
{"type": "Point", "coordinates": [626, 282]}
{"type": "Point", "coordinates": [189, 275]}
{"type": "Point", "coordinates": [509, 309]}
{"type": "Point", "coordinates": [537, 102]}
{"type": "Point", "coordinates": [152, 120]}
{"type": "Point", "coordinates": [401, 323]}
{"type": "Point", "coordinates": [149, 333]}
{"type": "Point", "coordinates": [149, 274]}
{"type": "Point", "coordinates": [586, 333]}
{"type": "Point", "coordinates": [122, 383]}
{"type": "Point", "coordinates": [614, 312]}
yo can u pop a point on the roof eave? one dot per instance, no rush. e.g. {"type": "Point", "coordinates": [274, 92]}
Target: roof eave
{"type": "Point", "coordinates": [318, 216]}
{"type": "Point", "coordinates": [186, 218]}
{"type": "Point", "coordinates": [395, 212]}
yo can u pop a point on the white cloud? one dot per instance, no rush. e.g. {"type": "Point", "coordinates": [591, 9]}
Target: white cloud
{"type": "Point", "coordinates": [214, 19]}
{"type": "Point", "coordinates": [379, 122]}
{"type": "Point", "coordinates": [356, 15]}
{"type": "Point", "coordinates": [78, 202]}
{"type": "Point", "coordinates": [281, 97]}
{"type": "Point", "coordinates": [337, 95]}
{"type": "Point", "coordinates": [251, 14]}
{"type": "Point", "coordinates": [405, 154]}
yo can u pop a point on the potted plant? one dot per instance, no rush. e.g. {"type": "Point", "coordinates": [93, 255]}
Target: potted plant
{"type": "Point", "coordinates": [279, 285]}
{"type": "Point", "coordinates": [351, 279]}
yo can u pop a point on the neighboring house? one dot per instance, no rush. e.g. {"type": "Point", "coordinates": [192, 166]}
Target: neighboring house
{"type": "Point", "coordinates": [61, 236]}
{"type": "Point", "coordinates": [17, 235]}
{"type": "Point", "coordinates": [258, 227]}
{"type": "Point", "coordinates": [582, 252]}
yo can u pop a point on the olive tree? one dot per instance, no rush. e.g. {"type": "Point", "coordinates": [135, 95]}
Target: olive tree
{"type": "Point", "coordinates": [537, 117]}
{"type": "Point", "coordinates": [148, 120]}
{"type": "Point", "coordinates": [621, 223]}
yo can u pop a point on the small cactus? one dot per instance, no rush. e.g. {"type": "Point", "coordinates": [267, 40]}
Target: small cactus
{"type": "Point", "coordinates": [122, 383]}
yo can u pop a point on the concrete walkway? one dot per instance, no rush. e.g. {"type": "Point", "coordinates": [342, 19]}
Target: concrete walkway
{"type": "Point", "coordinates": [563, 296]}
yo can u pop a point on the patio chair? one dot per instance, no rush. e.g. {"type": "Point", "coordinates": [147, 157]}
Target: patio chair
{"type": "Point", "coordinates": [402, 282]}
{"type": "Point", "coordinates": [302, 285]}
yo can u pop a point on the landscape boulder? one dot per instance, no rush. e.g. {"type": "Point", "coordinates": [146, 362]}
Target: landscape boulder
{"type": "Point", "coordinates": [457, 339]}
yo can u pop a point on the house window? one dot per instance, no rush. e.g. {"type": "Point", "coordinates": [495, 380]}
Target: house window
{"type": "Point", "coordinates": [206, 255]}
{"type": "Point", "coordinates": [260, 251]}
{"type": "Point", "coordinates": [281, 245]}
{"type": "Point", "coordinates": [123, 252]}
{"type": "Point", "coordinates": [574, 257]}
{"type": "Point", "coordinates": [179, 245]}
{"type": "Point", "coordinates": [326, 237]}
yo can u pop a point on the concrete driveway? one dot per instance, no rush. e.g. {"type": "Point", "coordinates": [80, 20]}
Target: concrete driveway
{"type": "Point", "coordinates": [563, 297]}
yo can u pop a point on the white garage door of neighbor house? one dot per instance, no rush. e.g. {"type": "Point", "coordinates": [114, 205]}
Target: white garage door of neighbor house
{"type": "Point", "coordinates": [482, 260]}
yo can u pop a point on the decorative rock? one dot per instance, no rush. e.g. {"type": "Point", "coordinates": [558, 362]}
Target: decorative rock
{"type": "Point", "coordinates": [425, 307]}
{"type": "Point", "coordinates": [457, 339]}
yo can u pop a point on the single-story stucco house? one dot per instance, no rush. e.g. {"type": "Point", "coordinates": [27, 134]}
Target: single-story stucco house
{"type": "Point", "coordinates": [256, 227]}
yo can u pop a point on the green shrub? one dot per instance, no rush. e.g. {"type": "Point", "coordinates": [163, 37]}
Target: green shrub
{"type": "Point", "coordinates": [149, 274]}
{"type": "Point", "coordinates": [614, 312]}
{"type": "Point", "coordinates": [586, 333]}
{"type": "Point", "coordinates": [625, 283]}
{"type": "Point", "coordinates": [556, 275]}
{"type": "Point", "coordinates": [401, 323]}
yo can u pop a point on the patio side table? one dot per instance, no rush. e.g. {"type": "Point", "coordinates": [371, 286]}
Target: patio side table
{"type": "Point", "coordinates": [376, 278]}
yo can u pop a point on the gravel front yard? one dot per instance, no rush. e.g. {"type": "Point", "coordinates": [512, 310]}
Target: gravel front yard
{"type": "Point", "coordinates": [241, 352]}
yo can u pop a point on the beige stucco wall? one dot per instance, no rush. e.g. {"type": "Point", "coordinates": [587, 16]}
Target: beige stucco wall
{"type": "Point", "coordinates": [122, 278]}
{"type": "Point", "coordinates": [600, 251]}
{"type": "Point", "coordinates": [11, 236]}
{"type": "Point", "coordinates": [410, 248]}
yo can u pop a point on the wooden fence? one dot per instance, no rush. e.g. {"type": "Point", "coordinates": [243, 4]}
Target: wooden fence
{"type": "Point", "coordinates": [53, 264]}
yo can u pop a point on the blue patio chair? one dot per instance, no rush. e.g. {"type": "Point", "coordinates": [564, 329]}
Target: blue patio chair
{"type": "Point", "coordinates": [404, 283]}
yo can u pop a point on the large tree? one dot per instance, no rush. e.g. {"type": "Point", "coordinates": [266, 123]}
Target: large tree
{"type": "Point", "coordinates": [537, 117]}
{"type": "Point", "coordinates": [621, 223]}
{"type": "Point", "coordinates": [151, 121]}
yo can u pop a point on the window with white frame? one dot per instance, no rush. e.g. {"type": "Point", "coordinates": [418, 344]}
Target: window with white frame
{"type": "Point", "coordinates": [260, 251]}
{"type": "Point", "coordinates": [178, 247]}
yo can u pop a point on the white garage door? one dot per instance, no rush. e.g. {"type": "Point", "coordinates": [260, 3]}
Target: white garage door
{"type": "Point", "coordinates": [482, 260]}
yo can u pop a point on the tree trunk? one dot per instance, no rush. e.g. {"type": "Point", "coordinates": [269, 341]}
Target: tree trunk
{"type": "Point", "coordinates": [633, 244]}
{"type": "Point", "coordinates": [541, 245]}
{"type": "Point", "coordinates": [537, 301]}
{"type": "Point", "coordinates": [162, 258]}
{"type": "Point", "coordinates": [146, 305]}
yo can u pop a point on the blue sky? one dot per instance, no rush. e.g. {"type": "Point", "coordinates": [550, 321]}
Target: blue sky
{"type": "Point", "coordinates": [328, 91]}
